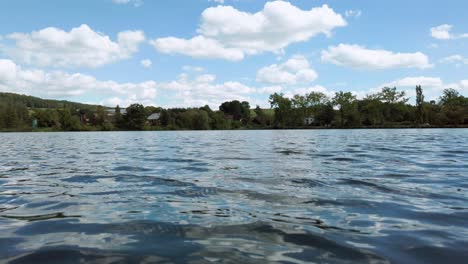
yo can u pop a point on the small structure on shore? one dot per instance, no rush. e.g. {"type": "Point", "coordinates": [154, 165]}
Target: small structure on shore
{"type": "Point", "coordinates": [153, 119]}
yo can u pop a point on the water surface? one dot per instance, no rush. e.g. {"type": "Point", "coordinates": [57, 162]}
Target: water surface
{"type": "Point", "coordinates": [336, 196]}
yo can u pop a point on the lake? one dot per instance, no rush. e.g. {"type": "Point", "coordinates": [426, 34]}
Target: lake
{"type": "Point", "coordinates": [288, 196]}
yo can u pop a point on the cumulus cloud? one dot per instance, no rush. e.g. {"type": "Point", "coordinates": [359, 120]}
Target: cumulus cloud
{"type": "Point", "coordinates": [79, 47]}
{"type": "Point", "coordinates": [146, 63]}
{"type": "Point", "coordinates": [228, 33]}
{"type": "Point", "coordinates": [443, 32]}
{"type": "Point", "coordinates": [359, 57]}
{"type": "Point", "coordinates": [59, 84]}
{"type": "Point", "coordinates": [270, 89]}
{"type": "Point", "coordinates": [203, 90]}
{"type": "Point", "coordinates": [295, 70]}
{"type": "Point", "coordinates": [197, 47]}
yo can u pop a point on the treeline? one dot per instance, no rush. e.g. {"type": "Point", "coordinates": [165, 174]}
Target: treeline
{"type": "Point", "coordinates": [35, 102]}
{"type": "Point", "coordinates": [386, 109]}
{"type": "Point", "coordinates": [231, 115]}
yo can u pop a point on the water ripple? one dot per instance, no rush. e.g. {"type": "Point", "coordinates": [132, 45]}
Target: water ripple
{"type": "Point", "coordinates": [333, 196]}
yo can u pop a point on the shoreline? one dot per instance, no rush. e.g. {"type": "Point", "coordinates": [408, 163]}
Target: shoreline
{"type": "Point", "coordinates": [240, 129]}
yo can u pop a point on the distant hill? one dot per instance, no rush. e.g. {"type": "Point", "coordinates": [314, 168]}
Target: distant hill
{"type": "Point", "coordinates": [36, 102]}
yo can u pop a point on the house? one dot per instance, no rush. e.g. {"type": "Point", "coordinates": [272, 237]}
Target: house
{"type": "Point", "coordinates": [153, 119]}
{"type": "Point", "coordinates": [309, 120]}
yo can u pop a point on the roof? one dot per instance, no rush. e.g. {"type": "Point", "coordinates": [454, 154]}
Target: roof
{"type": "Point", "coordinates": [154, 116]}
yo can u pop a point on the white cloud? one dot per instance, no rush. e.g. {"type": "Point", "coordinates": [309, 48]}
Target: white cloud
{"type": "Point", "coordinates": [275, 27]}
{"type": "Point", "coordinates": [217, 1]}
{"type": "Point", "coordinates": [202, 90]}
{"type": "Point", "coordinates": [353, 13]}
{"type": "Point", "coordinates": [228, 33]}
{"type": "Point", "coordinates": [443, 32]}
{"type": "Point", "coordinates": [59, 84]}
{"type": "Point", "coordinates": [197, 47]}
{"type": "Point", "coordinates": [146, 63]}
{"type": "Point", "coordinates": [269, 89]}
{"type": "Point", "coordinates": [355, 56]}
{"type": "Point", "coordinates": [80, 47]}
{"type": "Point", "coordinates": [295, 70]}
{"type": "Point", "coordinates": [413, 81]}
{"type": "Point", "coordinates": [455, 59]}
{"type": "Point", "coordinates": [136, 3]}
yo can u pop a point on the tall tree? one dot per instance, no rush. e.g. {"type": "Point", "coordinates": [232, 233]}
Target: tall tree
{"type": "Point", "coordinates": [283, 110]}
{"type": "Point", "coordinates": [344, 101]}
{"type": "Point", "coordinates": [420, 104]}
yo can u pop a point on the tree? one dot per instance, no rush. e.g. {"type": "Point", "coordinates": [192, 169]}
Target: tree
{"type": "Point", "coordinates": [118, 119]}
{"type": "Point", "coordinates": [136, 117]}
{"type": "Point", "coordinates": [260, 117]}
{"type": "Point", "coordinates": [326, 114]}
{"type": "Point", "coordinates": [283, 110]}
{"type": "Point", "coordinates": [69, 121]}
{"type": "Point", "coordinates": [420, 104]}
{"type": "Point", "coordinates": [391, 96]}
{"type": "Point", "coordinates": [99, 116]}
{"type": "Point", "coordinates": [450, 96]}
{"type": "Point", "coordinates": [245, 112]}
{"type": "Point", "coordinates": [232, 109]}
{"type": "Point", "coordinates": [344, 101]}
{"type": "Point", "coordinates": [371, 110]}
{"type": "Point", "coordinates": [454, 107]}
{"type": "Point", "coordinates": [201, 120]}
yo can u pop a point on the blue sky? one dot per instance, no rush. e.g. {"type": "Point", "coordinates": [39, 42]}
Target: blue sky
{"type": "Point", "coordinates": [196, 52]}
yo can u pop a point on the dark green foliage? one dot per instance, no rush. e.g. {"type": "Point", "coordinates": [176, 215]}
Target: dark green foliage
{"type": "Point", "coordinates": [14, 115]}
{"type": "Point", "coordinates": [420, 104]}
{"type": "Point", "coordinates": [261, 119]}
{"type": "Point", "coordinates": [35, 102]}
{"type": "Point", "coordinates": [68, 121]}
{"type": "Point", "coordinates": [345, 101]}
{"type": "Point", "coordinates": [283, 110]}
{"type": "Point", "coordinates": [237, 111]}
{"type": "Point", "coordinates": [326, 114]}
{"type": "Point", "coordinates": [135, 118]}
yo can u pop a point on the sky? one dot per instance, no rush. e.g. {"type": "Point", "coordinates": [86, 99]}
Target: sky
{"type": "Point", "coordinates": [189, 53]}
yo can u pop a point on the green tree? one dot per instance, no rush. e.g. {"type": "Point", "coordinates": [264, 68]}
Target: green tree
{"type": "Point", "coordinates": [283, 110]}
{"type": "Point", "coordinates": [99, 116]}
{"type": "Point", "coordinates": [326, 114]}
{"type": "Point", "coordinates": [454, 107]}
{"type": "Point", "coordinates": [118, 119]}
{"type": "Point", "coordinates": [420, 104]}
{"type": "Point", "coordinates": [371, 110]}
{"type": "Point", "coordinates": [261, 118]}
{"type": "Point", "coordinates": [345, 102]}
{"type": "Point", "coordinates": [392, 96]}
{"type": "Point", "coordinates": [68, 121]}
{"type": "Point", "coordinates": [136, 117]}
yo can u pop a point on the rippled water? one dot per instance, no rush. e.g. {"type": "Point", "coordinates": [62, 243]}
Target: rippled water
{"type": "Point", "coordinates": [235, 196]}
